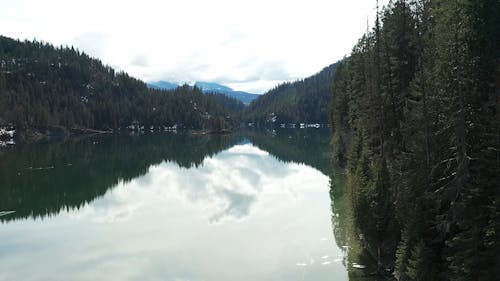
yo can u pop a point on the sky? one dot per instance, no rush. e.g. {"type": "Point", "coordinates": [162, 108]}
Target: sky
{"type": "Point", "coordinates": [250, 45]}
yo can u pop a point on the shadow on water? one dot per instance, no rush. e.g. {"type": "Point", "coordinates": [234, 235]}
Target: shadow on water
{"type": "Point", "coordinates": [313, 148]}
{"type": "Point", "coordinates": [361, 266]}
{"type": "Point", "coordinates": [308, 146]}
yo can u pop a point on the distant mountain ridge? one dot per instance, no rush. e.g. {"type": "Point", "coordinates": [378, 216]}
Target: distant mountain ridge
{"type": "Point", "coordinates": [163, 85]}
{"type": "Point", "coordinates": [209, 88]}
{"type": "Point", "coordinates": [213, 87]}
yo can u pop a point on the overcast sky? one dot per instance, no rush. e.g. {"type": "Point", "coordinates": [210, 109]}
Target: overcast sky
{"type": "Point", "coordinates": [249, 45]}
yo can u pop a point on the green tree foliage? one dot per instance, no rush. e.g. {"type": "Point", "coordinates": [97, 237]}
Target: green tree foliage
{"type": "Point", "coordinates": [42, 85]}
{"type": "Point", "coordinates": [415, 116]}
{"type": "Point", "coordinates": [303, 101]}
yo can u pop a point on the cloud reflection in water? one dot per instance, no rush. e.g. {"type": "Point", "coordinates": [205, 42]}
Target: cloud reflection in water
{"type": "Point", "coordinates": [241, 215]}
{"type": "Point", "coordinates": [226, 186]}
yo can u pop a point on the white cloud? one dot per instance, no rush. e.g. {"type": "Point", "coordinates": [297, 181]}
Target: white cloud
{"type": "Point", "coordinates": [140, 60]}
{"type": "Point", "coordinates": [246, 44]}
{"type": "Point", "coordinates": [225, 186]}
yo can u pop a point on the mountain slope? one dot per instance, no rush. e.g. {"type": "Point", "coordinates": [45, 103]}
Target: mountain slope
{"type": "Point", "coordinates": [41, 85]}
{"type": "Point", "coordinates": [209, 88]}
{"type": "Point", "coordinates": [212, 87]}
{"type": "Point", "coordinates": [163, 85]}
{"type": "Point", "coordinates": [303, 101]}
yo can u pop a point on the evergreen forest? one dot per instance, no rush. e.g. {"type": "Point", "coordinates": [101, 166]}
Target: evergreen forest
{"type": "Point", "coordinates": [45, 86]}
{"type": "Point", "coordinates": [415, 117]}
{"type": "Point", "coordinates": [302, 101]}
{"type": "Point", "coordinates": [42, 85]}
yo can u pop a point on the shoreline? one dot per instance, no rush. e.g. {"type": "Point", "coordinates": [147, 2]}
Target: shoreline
{"type": "Point", "coordinates": [36, 134]}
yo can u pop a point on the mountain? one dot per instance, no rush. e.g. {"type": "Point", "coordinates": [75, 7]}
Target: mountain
{"type": "Point", "coordinates": [163, 85]}
{"type": "Point", "coordinates": [213, 87]}
{"type": "Point", "coordinates": [209, 88]}
{"type": "Point", "coordinates": [302, 101]}
{"type": "Point", "coordinates": [42, 85]}
{"type": "Point", "coordinates": [244, 97]}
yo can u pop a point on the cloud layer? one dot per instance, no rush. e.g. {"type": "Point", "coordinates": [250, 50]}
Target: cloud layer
{"type": "Point", "coordinates": [248, 45]}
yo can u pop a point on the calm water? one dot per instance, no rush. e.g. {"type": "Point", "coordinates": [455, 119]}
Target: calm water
{"type": "Point", "coordinates": [252, 206]}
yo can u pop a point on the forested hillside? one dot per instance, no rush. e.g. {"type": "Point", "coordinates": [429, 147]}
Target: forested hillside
{"type": "Point", "coordinates": [214, 88]}
{"type": "Point", "coordinates": [303, 101]}
{"type": "Point", "coordinates": [42, 85]}
{"type": "Point", "coordinates": [209, 88]}
{"type": "Point", "coordinates": [416, 123]}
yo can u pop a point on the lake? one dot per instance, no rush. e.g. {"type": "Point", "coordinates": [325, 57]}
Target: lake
{"type": "Point", "coordinates": [247, 206]}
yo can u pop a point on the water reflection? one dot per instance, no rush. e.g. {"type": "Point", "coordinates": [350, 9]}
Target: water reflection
{"type": "Point", "coordinates": [224, 187]}
{"type": "Point", "coordinates": [301, 146]}
{"type": "Point", "coordinates": [360, 265]}
{"type": "Point", "coordinates": [168, 208]}
{"type": "Point", "coordinates": [42, 179]}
